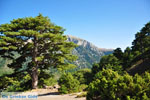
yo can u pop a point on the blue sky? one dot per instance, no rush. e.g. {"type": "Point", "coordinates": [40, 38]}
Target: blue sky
{"type": "Point", "coordinates": [105, 23]}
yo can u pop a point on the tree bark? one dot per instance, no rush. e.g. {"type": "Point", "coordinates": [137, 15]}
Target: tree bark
{"type": "Point", "coordinates": [34, 78]}
{"type": "Point", "coordinates": [35, 66]}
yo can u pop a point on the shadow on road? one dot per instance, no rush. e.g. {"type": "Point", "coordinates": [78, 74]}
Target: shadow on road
{"type": "Point", "coordinates": [52, 93]}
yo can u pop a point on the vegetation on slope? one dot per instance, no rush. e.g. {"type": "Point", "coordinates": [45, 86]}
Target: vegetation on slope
{"type": "Point", "coordinates": [87, 53]}
{"type": "Point", "coordinates": [113, 82]}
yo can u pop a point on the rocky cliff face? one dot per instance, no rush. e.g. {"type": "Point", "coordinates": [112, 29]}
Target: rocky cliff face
{"type": "Point", "coordinates": [87, 52]}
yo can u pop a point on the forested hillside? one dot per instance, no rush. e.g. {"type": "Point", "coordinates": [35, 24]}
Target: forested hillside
{"type": "Point", "coordinates": [87, 53]}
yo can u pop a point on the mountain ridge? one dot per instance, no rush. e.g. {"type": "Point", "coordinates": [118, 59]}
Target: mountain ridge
{"type": "Point", "coordinates": [102, 49]}
{"type": "Point", "coordinates": [87, 53]}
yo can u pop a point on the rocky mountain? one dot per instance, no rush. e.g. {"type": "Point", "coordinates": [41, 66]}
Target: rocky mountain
{"type": "Point", "coordinates": [87, 52]}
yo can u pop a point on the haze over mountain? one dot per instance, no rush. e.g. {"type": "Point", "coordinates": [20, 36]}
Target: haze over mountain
{"type": "Point", "coordinates": [87, 52]}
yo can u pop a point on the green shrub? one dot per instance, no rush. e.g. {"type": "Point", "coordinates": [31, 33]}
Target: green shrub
{"type": "Point", "coordinates": [46, 78]}
{"type": "Point", "coordinates": [83, 87]}
{"type": "Point", "coordinates": [50, 81]}
{"type": "Point", "coordinates": [83, 76]}
{"type": "Point", "coordinates": [107, 62]}
{"type": "Point", "coordinates": [22, 81]}
{"type": "Point", "coordinates": [109, 85]}
{"type": "Point", "coordinates": [63, 89]}
{"type": "Point", "coordinates": [5, 82]}
{"type": "Point", "coordinates": [15, 84]}
{"type": "Point", "coordinates": [68, 84]}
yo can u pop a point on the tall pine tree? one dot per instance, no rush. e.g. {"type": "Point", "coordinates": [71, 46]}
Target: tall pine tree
{"type": "Point", "coordinates": [142, 39]}
{"type": "Point", "coordinates": [38, 43]}
{"type": "Point", "coordinates": [141, 44]}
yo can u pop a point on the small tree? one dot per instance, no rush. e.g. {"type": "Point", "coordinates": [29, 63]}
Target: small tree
{"type": "Point", "coordinates": [95, 68]}
{"type": "Point", "coordinates": [38, 43]}
{"type": "Point", "coordinates": [127, 58]}
{"type": "Point", "coordinates": [107, 62]}
{"type": "Point", "coordinates": [84, 76]}
{"type": "Point", "coordinates": [118, 53]}
{"type": "Point", "coordinates": [68, 84]}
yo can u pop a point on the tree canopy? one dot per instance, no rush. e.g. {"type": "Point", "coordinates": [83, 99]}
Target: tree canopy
{"type": "Point", "coordinates": [141, 44]}
{"type": "Point", "coordinates": [38, 44]}
{"type": "Point", "coordinates": [142, 39]}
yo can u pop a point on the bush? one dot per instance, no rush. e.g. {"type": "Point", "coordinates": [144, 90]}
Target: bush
{"type": "Point", "coordinates": [22, 81]}
{"type": "Point", "coordinates": [83, 76]}
{"type": "Point", "coordinates": [50, 81]}
{"type": "Point", "coordinates": [83, 87]}
{"type": "Point", "coordinates": [15, 84]}
{"type": "Point", "coordinates": [5, 82]}
{"type": "Point", "coordinates": [107, 62]}
{"type": "Point", "coordinates": [46, 78]}
{"type": "Point", "coordinates": [68, 84]}
{"type": "Point", "coordinates": [109, 85]}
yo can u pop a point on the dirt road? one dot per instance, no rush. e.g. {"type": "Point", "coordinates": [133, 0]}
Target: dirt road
{"type": "Point", "coordinates": [59, 97]}
{"type": "Point", "coordinates": [45, 94]}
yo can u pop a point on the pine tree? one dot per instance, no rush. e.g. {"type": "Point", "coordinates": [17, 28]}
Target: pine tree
{"type": "Point", "coordinates": [127, 58]}
{"type": "Point", "coordinates": [38, 43]}
{"type": "Point", "coordinates": [142, 39]}
{"type": "Point", "coordinates": [141, 44]}
{"type": "Point", "coordinates": [118, 53]}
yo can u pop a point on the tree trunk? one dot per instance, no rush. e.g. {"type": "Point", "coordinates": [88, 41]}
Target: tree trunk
{"type": "Point", "coordinates": [35, 66]}
{"type": "Point", "coordinates": [34, 79]}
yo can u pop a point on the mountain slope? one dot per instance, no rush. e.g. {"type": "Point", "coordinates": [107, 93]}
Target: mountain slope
{"type": "Point", "coordinates": [140, 67]}
{"type": "Point", "coordinates": [87, 52]}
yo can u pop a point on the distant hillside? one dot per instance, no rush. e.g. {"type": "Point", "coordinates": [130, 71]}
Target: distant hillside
{"type": "Point", "coordinates": [87, 52]}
